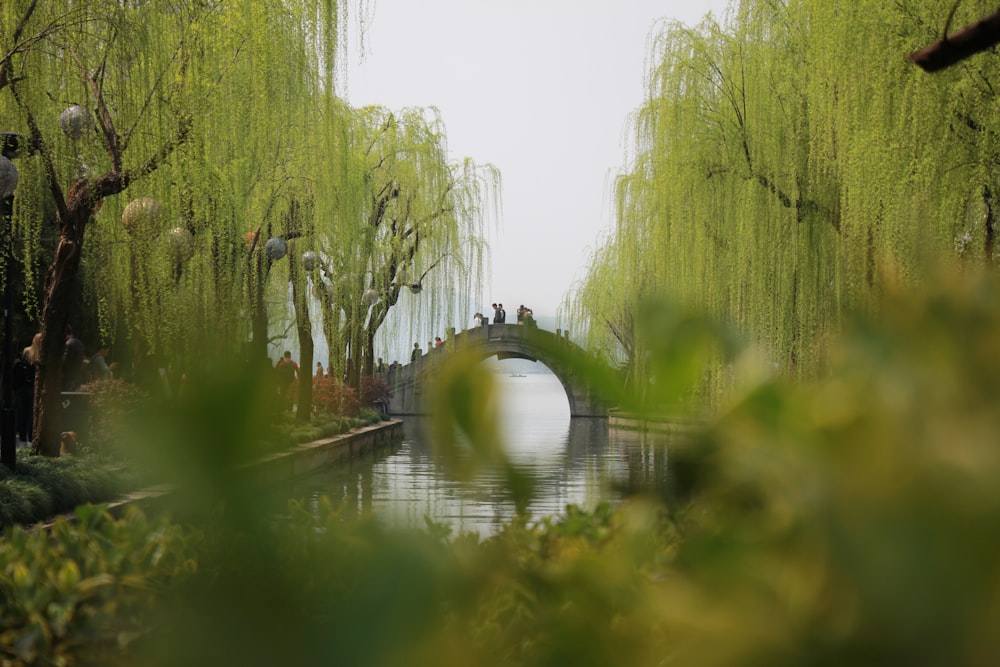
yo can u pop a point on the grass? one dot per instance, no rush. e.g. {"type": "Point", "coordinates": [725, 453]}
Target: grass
{"type": "Point", "coordinates": [43, 487]}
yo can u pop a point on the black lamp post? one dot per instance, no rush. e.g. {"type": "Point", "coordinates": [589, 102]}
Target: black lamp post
{"type": "Point", "coordinates": [9, 144]}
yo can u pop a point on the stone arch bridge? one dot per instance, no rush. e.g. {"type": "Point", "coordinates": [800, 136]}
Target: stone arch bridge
{"type": "Point", "coordinates": [504, 341]}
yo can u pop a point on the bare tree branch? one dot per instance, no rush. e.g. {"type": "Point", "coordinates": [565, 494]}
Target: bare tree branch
{"type": "Point", "coordinates": [951, 49]}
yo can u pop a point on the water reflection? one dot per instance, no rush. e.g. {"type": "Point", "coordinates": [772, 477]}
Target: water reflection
{"type": "Point", "coordinates": [575, 461]}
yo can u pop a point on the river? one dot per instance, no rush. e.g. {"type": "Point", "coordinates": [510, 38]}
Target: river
{"type": "Point", "coordinates": [574, 461]}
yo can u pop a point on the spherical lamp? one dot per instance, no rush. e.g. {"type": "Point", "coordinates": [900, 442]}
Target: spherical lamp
{"type": "Point", "coordinates": [309, 259]}
{"type": "Point", "coordinates": [371, 296]}
{"type": "Point", "coordinates": [276, 248]}
{"type": "Point", "coordinates": [74, 121]}
{"type": "Point", "coordinates": [142, 216]}
{"type": "Point", "coordinates": [8, 177]}
{"type": "Point", "coordinates": [180, 243]}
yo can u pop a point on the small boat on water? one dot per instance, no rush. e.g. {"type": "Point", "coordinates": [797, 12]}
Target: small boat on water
{"type": "Point", "coordinates": [518, 375]}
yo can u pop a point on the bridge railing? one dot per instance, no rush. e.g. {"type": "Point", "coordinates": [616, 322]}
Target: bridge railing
{"type": "Point", "coordinates": [554, 349]}
{"type": "Point", "coordinates": [487, 334]}
{"type": "Point", "coordinates": [457, 340]}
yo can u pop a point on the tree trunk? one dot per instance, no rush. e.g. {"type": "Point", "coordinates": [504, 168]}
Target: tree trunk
{"type": "Point", "coordinates": [258, 325]}
{"type": "Point", "coordinates": [303, 410]}
{"type": "Point", "coordinates": [377, 318]}
{"type": "Point", "coordinates": [989, 240]}
{"type": "Point", "coordinates": [368, 363]}
{"type": "Point", "coordinates": [60, 280]}
{"type": "Point", "coordinates": [73, 215]}
{"type": "Point", "coordinates": [354, 351]}
{"type": "Point", "coordinates": [331, 330]}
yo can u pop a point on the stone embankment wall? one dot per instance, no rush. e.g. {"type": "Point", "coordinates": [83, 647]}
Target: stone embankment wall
{"type": "Point", "coordinates": [649, 424]}
{"type": "Point", "coordinates": [283, 466]}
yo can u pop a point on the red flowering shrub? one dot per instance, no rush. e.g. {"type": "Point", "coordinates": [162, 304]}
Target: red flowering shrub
{"type": "Point", "coordinates": [333, 397]}
{"type": "Point", "coordinates": [374, 391]}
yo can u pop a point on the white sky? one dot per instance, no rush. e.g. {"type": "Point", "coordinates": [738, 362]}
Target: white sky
{"type": "Point", "coordinates": [539, 88]}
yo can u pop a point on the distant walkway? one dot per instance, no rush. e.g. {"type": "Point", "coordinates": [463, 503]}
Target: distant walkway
{"type": "Point", "coordinates": [504, 341]}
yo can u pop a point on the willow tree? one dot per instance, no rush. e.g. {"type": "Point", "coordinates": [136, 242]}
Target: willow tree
{"type": "Point", "coordinates": [249, 155]}
{"type": "Point", "coordinates": [791, 161]}
{"type": "Point", "coordinates": [121, 117]}
{"type": "Point", "coordinates": [259, 147]}
{"type": "Point", "coordinates": [299, 222]}
{"type": "Point", "coordinates": [137, 82]}
{"type": "Point", "coordinates": [404, 217]}
{"type": "Point", "coordinates": [618, 279]}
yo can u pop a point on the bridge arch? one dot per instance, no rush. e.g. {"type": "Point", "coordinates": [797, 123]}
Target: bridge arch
{"type": "Point", "coordinates": [504, 341]}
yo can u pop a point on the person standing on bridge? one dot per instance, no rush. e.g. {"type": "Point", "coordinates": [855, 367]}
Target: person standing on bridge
{"type": "Point", "coordinates": [415, 355]}
{"type": "Point", "coordinates": [496, 314]}
{"type": "Point", "coordinates": [503, 314]}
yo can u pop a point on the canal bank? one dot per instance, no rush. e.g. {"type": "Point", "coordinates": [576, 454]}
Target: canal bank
{"type": "Point", "coordinates": [306, 458]}
{"type": "Point", "coordinates": [627, 421]}
{"type": "Point", "coordinates": [278, 468]}
{"type": "Point", "coordinates": [393, 468]}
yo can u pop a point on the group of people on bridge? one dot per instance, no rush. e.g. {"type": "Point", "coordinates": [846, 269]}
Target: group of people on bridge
{"type": "Point", "coordinates": [524, 316]}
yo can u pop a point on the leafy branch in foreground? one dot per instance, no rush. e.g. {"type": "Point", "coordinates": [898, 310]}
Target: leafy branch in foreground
{"type": "Point", "coordinates": [850, 520]}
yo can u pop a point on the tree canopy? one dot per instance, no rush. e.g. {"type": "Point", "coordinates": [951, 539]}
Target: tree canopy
{"type": "Point", "coordinates": [403, 215]}
{"type": "Point", "coordinates": [220, 125]}
{"type": "Point", "coordinates": [790, 163]}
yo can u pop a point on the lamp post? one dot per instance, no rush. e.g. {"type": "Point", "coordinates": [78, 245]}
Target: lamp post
{"type": "Point", "coordinates": [8, 182]}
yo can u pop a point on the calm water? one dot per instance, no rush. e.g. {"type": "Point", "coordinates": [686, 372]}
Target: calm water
{"type": "Point", "coordinates": [575, 462]}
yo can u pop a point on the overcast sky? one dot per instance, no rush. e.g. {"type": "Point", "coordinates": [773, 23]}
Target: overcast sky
{"type": "Point", "coordinates": [539, 88]}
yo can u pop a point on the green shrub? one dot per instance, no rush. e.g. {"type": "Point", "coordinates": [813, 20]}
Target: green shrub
{"type": "Point", "coordinates": [82, 592]}
{"type": "Point", "coordinates": [324, 426]}
{"type": "Point", "coordinates": [112, 408]}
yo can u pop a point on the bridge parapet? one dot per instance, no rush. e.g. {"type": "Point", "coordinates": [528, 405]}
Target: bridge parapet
{"type": "Point", "coordinates": [504, 341]}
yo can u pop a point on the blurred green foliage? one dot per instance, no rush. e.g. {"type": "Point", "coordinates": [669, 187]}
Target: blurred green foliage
{"type": "Point", "coordinates": [82, 592]}
{"type": "Point", "coordinates": [847, 521]}
{"type": "Point", "coordinates": [854, 520]}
